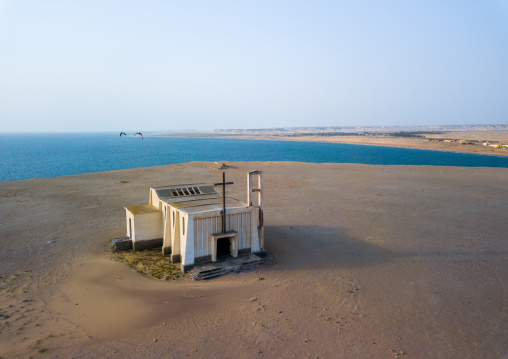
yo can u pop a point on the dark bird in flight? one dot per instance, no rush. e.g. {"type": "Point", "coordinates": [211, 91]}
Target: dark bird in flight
{"type": "Point", "coordinates": [139, 133]}
{"type": "Point", "coordinates": [122, 133]}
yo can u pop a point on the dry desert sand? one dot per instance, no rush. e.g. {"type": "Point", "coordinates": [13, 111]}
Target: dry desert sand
{"type": "Point", "coordinates": [364, 262]}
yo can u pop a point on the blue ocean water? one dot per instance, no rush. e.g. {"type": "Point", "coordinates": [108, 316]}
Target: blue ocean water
{"type": "Point", "coordinates": [24, 156]}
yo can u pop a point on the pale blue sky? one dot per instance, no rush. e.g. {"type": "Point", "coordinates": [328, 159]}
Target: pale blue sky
{"type": "Point", "coordinates": [170, 65]}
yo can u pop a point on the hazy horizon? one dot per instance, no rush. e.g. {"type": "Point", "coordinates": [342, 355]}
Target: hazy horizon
{"type": "Point", "coordinates": [106, 66]}
{"type": "Point", "coordinates": [388, 128]}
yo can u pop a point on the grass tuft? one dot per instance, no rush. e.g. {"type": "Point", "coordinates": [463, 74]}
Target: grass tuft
{"type": "Point", "coordinates": [150, 262]}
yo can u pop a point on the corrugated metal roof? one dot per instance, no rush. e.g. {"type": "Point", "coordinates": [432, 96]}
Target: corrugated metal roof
{"type": "Point", "coordinates": [184, 190]}
{"type": "Point", "coordinates": [195, 198]}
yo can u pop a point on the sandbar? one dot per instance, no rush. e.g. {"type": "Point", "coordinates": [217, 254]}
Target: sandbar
{"type": "Point", "coordinates": [460, 141]}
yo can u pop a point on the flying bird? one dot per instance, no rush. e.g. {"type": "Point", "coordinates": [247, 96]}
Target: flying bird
{"type": "Point", "coordinates": [139, 133]}
{"type": "Point", "coordinates": [122, 133]}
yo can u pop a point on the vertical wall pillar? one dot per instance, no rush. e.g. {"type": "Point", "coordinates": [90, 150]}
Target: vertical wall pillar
{"type": "Point", "coordinates": [166, 242]}
{"type": "Point", "coordinates": [174, 218]}
{"type": "Point", "coordinates": [128, 223]}
{"type": "Point", "coordinates": [187, 242]}
{"type": "Point", "coordinates": [255, 243]}
{"type": "Point", "coordinates": [257, 201]}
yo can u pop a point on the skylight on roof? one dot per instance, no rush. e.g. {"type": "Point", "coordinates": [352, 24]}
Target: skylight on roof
{"type": "Point", "coordinates": [185, 191]}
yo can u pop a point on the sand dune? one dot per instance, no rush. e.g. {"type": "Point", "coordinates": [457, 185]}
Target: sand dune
{"type": "Point", "coordinates": [364, 262]}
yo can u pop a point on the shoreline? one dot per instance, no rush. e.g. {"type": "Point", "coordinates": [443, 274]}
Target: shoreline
{"type": "Point", "coordinates": [282, 162]}
{"type": "Point", "coordinates": [366, 144]}
{"type": "Point", "coordinates": [397, 142]}
{"type": "Point", "coordinates": [497, 156]}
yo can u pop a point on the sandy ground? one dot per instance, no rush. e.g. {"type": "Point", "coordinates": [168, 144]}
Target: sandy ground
{"type": "Point", "coordinates": [501, 136]}
{"type": "Point", "coordinates": [365, 262]}
{"type": "Point", "coordinates": [407, 142]}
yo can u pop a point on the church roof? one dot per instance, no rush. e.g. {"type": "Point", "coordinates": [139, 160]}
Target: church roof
{"type": "Point", "coordinates": [184, 190]}
{"type": "Point", "coordinates": [195, 198]}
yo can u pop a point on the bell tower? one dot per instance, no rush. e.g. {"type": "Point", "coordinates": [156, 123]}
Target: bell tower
{"type": "Point", "coordinates": [255, 198]}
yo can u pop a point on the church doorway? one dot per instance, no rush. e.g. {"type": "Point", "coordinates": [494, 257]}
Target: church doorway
{"type": "Point", "coordinates": [223, 248]}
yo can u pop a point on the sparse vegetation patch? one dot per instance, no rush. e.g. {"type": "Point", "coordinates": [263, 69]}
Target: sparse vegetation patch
{"type": "Point", "coordinates": [150, 262]}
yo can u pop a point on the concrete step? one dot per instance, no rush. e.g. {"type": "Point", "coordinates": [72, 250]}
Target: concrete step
{"type": "Point", "coordinates": [210, 271]}
{"type": "Point", "coordinates": [213, 270]}
{"type": "Point", "coordinates": [211, 275]}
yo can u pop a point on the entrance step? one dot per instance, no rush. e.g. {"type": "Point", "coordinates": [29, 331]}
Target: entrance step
{"type": "Point", "coordinates": [211, 274]}
{"type": "Point", "coordinates": [213, 270]}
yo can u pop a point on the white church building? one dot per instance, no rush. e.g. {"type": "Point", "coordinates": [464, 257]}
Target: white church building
{"type": "Point", "coordinates": [187, 221]}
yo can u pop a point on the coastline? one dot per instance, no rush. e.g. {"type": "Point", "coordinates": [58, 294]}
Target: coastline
{"type": "Point", "coordinates": [365, 261]}
{"type": "Point", "coordinates": [427, 143]}
{"type": "Point", "coordinates": [38, 159]}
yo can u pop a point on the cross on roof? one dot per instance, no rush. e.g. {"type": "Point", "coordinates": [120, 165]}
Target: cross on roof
{"type": "Point", "coordinates": [223, 184]}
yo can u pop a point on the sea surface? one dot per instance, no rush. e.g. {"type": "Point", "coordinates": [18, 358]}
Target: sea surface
{"type": "Point", "coordinates": [24, 156]}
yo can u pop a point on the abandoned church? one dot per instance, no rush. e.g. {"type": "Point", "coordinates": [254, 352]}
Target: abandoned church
{"type": "Point", "coordinates": [195, 224]}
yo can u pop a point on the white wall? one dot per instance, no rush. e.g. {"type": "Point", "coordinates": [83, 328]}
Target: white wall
{"type": "Point", "coordinates": [174, 219]}
{"type": "Point", "coordinates": [147, 226]}
{"type": "Point", "coordinates": [154, 200]}
{"type": "Point", "coordinates": [187, 238]}
{"type": "Point", "coordinates": [166, 219]}
{"type": "Point", "coordinates": [239, 220]}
